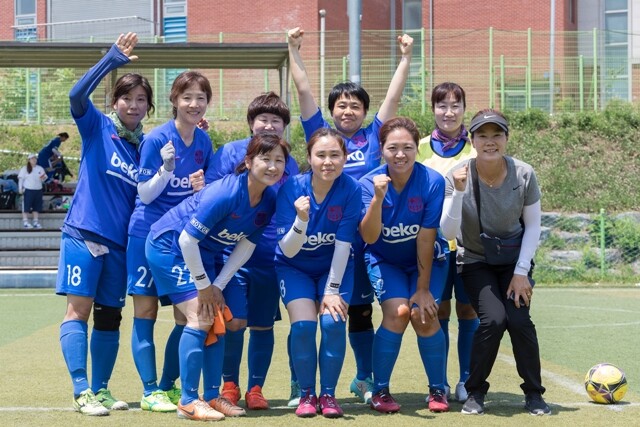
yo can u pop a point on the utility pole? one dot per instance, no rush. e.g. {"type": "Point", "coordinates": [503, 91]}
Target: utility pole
{"type": "Point", "coordinates": [354, 11]}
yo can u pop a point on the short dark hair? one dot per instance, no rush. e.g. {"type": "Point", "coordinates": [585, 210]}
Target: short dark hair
{"type": "Point", "coordinates": [329, 133]}
{"type": "Point", "coordinates": [349, 90]}
{"type": "Point", "coordinates": [64, 135]}
{"type": "Point", "coordinates": [186, 79]}
{"type": "Point", "coordinates": [268, 103]}
{"type": "Point", "coordinates": [127, 83]}
{"type": "Point", "coordinates": [399, 123]}
{"type": "Point", "coordinates": [441, 91]}
{"type": "Point", "coordinates": [262, 144]}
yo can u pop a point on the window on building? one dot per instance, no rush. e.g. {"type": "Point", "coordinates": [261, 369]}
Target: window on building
{"type": "Point", "coordinates": [572, 11]}
{"type": "Point", "coordinates": [25, 20]}
{"type": "Point", "coordinates": [412, 15]}
{"type": "Point", "coordinates": [614, 72]}
{"type": "Point", "coordinates": [25, 7]}
{"type": "Point", "coordinates": [615, 5]}
{"type": "Point", "coordinates": [175, 7]}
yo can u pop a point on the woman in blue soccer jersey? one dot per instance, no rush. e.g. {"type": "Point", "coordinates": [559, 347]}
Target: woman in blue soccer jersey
{"type": "Point", "coordinates": [181, 249]}
{"type": "Point", "coordinates": [348, 105]}
{"type": "Point", "coordinates": [253, 294]}
{"type": "Point", "coordinates": [92, 267]}
{"type": "Point", "coordinates": [500, 290]}
{"type": "Point", "coordinates": [168, 155]}
{"type": "Point", "coordinates": [448, 145]}
{"type": "Point", "coordinates": [406, 261]}
{"type": "Point", "coordinates": [317, 218]}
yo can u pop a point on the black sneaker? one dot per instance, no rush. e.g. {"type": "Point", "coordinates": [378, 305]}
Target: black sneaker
{"type": "Point", "coordinates": [474, 404]}
{"type": "Point", "coordinates": [535, 404]}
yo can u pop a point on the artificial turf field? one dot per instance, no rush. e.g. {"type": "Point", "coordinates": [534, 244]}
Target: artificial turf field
{"type": "Point", "coordinates": [577, 328]}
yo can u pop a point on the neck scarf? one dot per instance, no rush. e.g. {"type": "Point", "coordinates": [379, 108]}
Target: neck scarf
{"type": "Point", "coordinates": [448, 142]}
{"type": "Point", "coordinates": [132, 136]}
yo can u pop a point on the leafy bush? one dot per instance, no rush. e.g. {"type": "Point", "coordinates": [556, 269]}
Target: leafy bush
{"type": "Point", "coordinates": [625, 234]}
{"type": "Point", "coordinates": [529, 120]}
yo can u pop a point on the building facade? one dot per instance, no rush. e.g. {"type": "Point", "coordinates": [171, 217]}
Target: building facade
{"type": "Point", "coordinates": [508, 53]}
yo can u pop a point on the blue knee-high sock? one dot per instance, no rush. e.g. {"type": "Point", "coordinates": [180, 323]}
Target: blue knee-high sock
{"type": "Point", "coordinates": [362, 346]}
{"type": "Point", "coordinates": [144, 353]}
{"type": "Point", "coordinates": [234, 343]}
{"type": "Point", "coordinates": [191, 357]}
{"type": "Point", "coordinates": [304, 354]}
{"type": "Point", "coordinates": [433, 358]}
{"type": "Point", "coordinates": [386, 346]}
{"type": "Point", "coordinates": [104, 351]}
{"type": "Point", "coordinates": [171, 366]}
{"type": "Point", "coordinates": [212, 367]}
{"type": "Point", "coordinates": [261, 345]}
{"type": "Point", "coordinates": [73, 341]}
{"type": "Point", "coordinates": [466, 330]}
{"type": "Point", "coordinates": [333, 345]}
{"type": "Point", "coordinates": [292, 371]}
{"type": "Point", "coordinates": [444, 325]}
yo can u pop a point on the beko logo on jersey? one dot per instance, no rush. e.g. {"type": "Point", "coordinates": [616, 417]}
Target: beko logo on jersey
{"type": "Point", "coordinates": [235, 237]}
{"type": "Point", "coordinates": [127, 169]}
{"type": "Point", "coordinates": [356, 156]}
{"type": "Point", "coordinates": [320, 239]}
{"type": "Point", "coordinates": [400, 232]}
{"type": "Point", "coordinates": [177, 182]}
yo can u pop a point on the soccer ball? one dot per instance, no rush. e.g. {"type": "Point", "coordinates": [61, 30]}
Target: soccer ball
{"type": "Point", "coordinates": [605, 383]}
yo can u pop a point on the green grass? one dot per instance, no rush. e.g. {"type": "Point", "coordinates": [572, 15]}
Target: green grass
{"type": "Point", "coordinates": [577, 328]}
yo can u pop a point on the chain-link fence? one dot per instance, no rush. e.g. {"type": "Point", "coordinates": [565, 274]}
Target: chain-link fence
{"type": "Point", "coordinates": [505, 69]}
{"type": "Point", "coordinates": [599, 248]}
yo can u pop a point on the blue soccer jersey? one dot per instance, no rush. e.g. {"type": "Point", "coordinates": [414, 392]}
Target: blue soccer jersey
{"type": "Point", "coordinates": [419, 205]}
{"type": "Point", "coordinates": [47, 151]}
{"type": "Point", "coordinates": [198, 155]}
{"type": "Point", "coordinates": [336, 218]}
{"type": "Point", "coordinates": [363, 147]}
{"type": "Point", "coordinates": [107, 181]}
{"type": "Point", "coordinates": [225, 161]}
{"type": "Point", "coordinates": [219, 216]}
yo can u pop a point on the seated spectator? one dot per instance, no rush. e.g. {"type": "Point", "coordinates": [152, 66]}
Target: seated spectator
{"type": "Point", "coordinates": [8, 185]}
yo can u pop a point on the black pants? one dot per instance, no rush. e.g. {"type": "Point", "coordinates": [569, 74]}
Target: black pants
{"type": "Point", "coordinates": [486, 285]}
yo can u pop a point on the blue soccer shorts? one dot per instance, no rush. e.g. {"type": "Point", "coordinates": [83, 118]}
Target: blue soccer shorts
{"type": "Point", "coordinates": [390, 281]}
{"type": "Point", "coordinates": [170, 273]}
{"type": "Point", "coordinates": [295, 284]}
{"type": "Point", "coordinates": [103, 277]}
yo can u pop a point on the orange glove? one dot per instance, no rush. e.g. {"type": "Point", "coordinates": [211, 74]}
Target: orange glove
{"type": "Point", "coordinates": [218, 327]}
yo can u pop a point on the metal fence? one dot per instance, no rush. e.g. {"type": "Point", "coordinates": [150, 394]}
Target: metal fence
{"type": "Point", "coordinates": [505, 69]}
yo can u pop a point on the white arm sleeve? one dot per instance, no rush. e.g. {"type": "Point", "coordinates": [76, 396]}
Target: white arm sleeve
{"type": "Point", "coordinates": [191, 254]}
{"type": "Point", "coordinates": [291, 243]}
{"type": "Point", "coordinates": [152, 188]}
{"type": "Point", "coordinates": [452, 215]}
{"type": "Point", "coordinates": [339, 261]}
{"type": "Point", "coordinates": [532, 216]}
{"type": "Point", "coordinates": [240, 254]}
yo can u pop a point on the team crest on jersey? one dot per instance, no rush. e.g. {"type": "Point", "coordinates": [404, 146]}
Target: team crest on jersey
{"type": "Point", "coordinates": [260, 219]}
{"type": "Point", "coordinates": [360, 141]}
{"type": "Point", "coordinates": [334, 213]}
{"type": "Point", "coordinates": [199, 157]}
{"type": "Point", "coordinates": [415, 204]}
